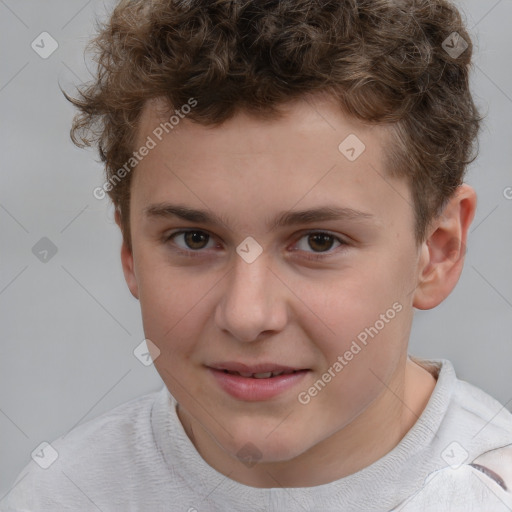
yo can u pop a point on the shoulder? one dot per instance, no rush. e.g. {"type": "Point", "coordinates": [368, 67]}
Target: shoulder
{"type": "Point", "coordinates": [98, 454]}
{"type": "Point", "coordinates": [112, 431]}
{"type": "Point", "coordinates": [494, 419]}
{"type": "Point", "coordinates": [471, 455]}
{"type": "Point", "coordinates": [481, 418]}
{"type": "Point", "coordinates": [458, 489]}
{"type": "Point", "coordinates": [481, 406]}
{"type": "Point", "coordinates": [484, 426]}
{"type": "Point", "coordinates": [465, 413]}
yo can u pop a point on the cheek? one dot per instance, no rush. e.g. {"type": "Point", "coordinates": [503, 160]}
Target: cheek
{"type": "Point", "coordinates": [354, 301]}
{"type": "Point", "coordinates": [361, 330]}
{"type": "Point", "coordinates": [171, 306]}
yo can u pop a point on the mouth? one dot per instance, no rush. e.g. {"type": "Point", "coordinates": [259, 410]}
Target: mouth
{"type": "Point", "coordinates": [262, 375]}
{"type": "Point", "coordinates": [256, 382]}
{"type": "Point", "coordinates": [256, 371]}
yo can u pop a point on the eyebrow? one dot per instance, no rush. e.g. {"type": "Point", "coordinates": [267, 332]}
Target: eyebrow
{"type": "Point", "coordinates": [283, 219]}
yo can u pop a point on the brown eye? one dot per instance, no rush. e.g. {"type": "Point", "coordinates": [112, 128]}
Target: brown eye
{"type": "Point", "coordinates": [190, 240]}
{"type": "Point", "coordinates": [196, 239]}
{"type": "Point", "coordinates": [317, 245]}
{"type": "Point", "coordinates": [320, 241]}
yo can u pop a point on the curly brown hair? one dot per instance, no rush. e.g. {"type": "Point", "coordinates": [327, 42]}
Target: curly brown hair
{"type": "Point", "coordinates": [383, 61]}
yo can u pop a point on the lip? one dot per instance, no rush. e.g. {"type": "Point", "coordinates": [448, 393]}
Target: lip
{"type": "Point", "coordinates": [251, 389]}
{"type": "Point", "coordinates": [234, 366]}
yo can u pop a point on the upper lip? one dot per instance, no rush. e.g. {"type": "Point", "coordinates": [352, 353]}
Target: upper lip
{"type": "Point", "coordinates": [233, 366]}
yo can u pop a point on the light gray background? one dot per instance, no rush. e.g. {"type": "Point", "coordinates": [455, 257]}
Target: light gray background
{"type": "Point", "coordinates": [69, 326]}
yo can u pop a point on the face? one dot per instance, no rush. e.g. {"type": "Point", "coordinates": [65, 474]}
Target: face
{"type": "Point", "coordinates": [233, 273]}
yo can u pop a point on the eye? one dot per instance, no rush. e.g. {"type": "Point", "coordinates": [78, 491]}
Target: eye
{"type": "Point", "coordinates": [321, 242]}
{"type": "Point", "coordinates": [194, 240]}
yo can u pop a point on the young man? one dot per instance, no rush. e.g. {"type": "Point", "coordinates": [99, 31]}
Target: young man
{"type": "Point", "coordinates": [288, 178]}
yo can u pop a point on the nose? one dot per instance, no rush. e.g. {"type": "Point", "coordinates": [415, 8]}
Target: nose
{"type": "Point", "coordinates": [253, 303]}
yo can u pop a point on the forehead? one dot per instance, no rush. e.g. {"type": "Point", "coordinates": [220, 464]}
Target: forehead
{"type": "Point", "coordinates": [316, 121]}
{"type": "Point", "coordinates": [313, 154]}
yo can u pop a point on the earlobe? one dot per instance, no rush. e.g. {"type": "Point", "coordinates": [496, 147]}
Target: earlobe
{"type": "Point", "coordinates": [443, 252]}
{"type": "Point", "coordinates": [127, 261]}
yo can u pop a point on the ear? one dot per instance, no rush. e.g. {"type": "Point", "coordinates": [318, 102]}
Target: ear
{"type": "Point", "coordinates": [442, 253]}
{"type": "Point", "coordinates": [127, 261]}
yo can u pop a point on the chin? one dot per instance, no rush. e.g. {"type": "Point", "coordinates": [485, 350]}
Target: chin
{"type": "Point", "coordinates": [265, 445]}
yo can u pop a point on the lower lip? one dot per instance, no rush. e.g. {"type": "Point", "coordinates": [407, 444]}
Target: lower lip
{"type": "Point", "coordinates": [251, 389]}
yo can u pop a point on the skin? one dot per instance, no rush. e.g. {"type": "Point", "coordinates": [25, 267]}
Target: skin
{"type": "Point", "coordinates": [283, 307]}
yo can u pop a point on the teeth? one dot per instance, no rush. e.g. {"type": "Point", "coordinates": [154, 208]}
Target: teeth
{"type": "Point", "coordinates": [265, 375]}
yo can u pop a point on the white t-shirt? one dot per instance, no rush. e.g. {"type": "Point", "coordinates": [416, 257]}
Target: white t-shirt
{"type": "Point", "coordinates": [138, 457]}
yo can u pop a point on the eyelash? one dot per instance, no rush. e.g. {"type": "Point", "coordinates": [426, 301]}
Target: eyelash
{"type": "Point", "coordinates": [311, 256]}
